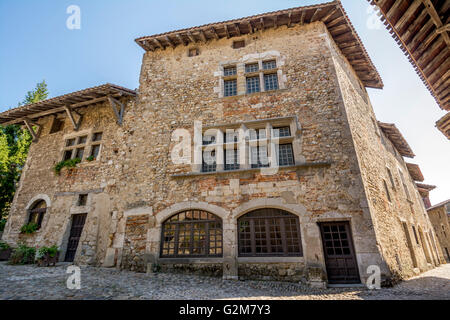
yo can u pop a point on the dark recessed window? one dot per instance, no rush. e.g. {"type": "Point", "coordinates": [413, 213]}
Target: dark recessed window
{"type": "Point", "coordinates": [82, 200]}
{"type": "Point", "coordinates": [57, 126]}
{"type": "Point", "coordinates": [230, 88]}
{"type": "Point", "coordinates": [36, 214]}
{"type": "Point", "coordinates": [238, 44]}
{"type": "Point", "coordinates": [285, 155]}
{"type": "Point", "coordinates": [192, 233]}
{"type": "Point", "coordinates": [95, 150]}
{"type": "Point", "coordinates": [271, 82]}
{"type": "Point", "coordinates": [97, 136]}
{"type": "Point", "coordinates": [269, 232]}
{"type": "Point", "coordinates": [253, 85]}
{"type": "Point", "coordinates": [193, 52]}
{"type": "Point", "coordinates": [70, 143]}
{"type": "Point", "coordinates": [268, 65]}
{"type": "Point", "coordinates": [387, 190]}
{"type": "Point", "coordinates": [82, 140]}
{"type": "Point", "coordinates": [79, 153]}
{"type": "Point", "coordinates": [254, 67]}
{"type": "Point", "coordinates": [67, 155]}
{"type": "Point", "coordinates": [229, 71]}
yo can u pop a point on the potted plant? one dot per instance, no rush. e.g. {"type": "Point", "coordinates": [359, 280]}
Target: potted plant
{"type": "Point", "coordinates": [46, 256]}
{"type": "Point", "coordinates": [5, 251]}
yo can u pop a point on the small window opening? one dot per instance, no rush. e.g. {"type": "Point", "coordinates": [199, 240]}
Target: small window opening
{"type": "Point", "coordinates": [238, 44]}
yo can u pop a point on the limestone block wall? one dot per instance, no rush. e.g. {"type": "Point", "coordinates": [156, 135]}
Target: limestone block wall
{"type": "Point", "coordinates": [175, 90]}
{"type": "Point", "coordinates": [375, 155]}
{"type": "Point", "coordinates": [96, 179]}
{"type": "Point", "coordinates": [439, 220]}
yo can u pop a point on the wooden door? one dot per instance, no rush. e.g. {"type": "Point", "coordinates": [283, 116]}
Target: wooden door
{"type": "Point", "coordinates": [340, 258]}
{"type": "Point", "coordinates": [78, 221]}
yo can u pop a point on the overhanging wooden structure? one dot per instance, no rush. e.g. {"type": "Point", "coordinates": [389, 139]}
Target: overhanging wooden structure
{"type": "Point", "coordinates": [332, 14]}
{"type": "Point", "coordinates": [443, 125]}
{"type": "Point", "coordinates": [421, 29]}
{"type": "Point", "coordinates": [68, 103]}
{"type": "Point", "coordinates": [397, 139]}
{"type": "Point", "coordinates": [415, 172]}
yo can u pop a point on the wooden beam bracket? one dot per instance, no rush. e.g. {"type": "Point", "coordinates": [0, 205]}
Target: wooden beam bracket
{"type": "Point", "coordinates": [30, 124]}
{"type": "Point", "coordinates": [74, 117]}
{"type": "Point", "coordinates": [115, 104]}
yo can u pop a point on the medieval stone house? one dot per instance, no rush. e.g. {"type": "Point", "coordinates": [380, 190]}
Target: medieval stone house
{"type": "Point", "coordinates": [284, 90]}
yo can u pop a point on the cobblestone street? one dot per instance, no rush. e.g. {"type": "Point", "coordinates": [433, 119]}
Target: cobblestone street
{"type": "Point", "coordinates": [30, 282]}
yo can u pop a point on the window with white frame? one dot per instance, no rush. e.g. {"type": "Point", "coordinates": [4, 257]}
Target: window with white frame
{"type": "Point", "coordinates": [83, 147]}
{"type": "Point", "coordinates": [263, 144]}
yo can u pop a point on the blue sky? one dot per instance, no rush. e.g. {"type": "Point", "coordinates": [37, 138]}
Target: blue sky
{"type": "Point", "coordinates": [37, 45]}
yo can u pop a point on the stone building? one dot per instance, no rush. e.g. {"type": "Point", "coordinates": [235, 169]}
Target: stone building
{"type": "Point", "coordinates": [440, 218]}
{"type": "Point", "coordinates": [292, 177]}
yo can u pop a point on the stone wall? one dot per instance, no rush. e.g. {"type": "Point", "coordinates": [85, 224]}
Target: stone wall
{"type": "Point", "coordinates": [440, 221]}
{"type": "Point", "coordinates": [375, 154]}
{"type": "Point", "coordinates": [134, 186]}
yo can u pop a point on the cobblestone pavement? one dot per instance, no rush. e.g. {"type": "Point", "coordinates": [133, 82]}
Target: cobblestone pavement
{"type": "Point", "coordinates": [30, 282]}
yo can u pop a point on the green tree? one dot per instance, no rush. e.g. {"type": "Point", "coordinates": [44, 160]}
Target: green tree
{"type": "Point", "coordinates": [14, 145]}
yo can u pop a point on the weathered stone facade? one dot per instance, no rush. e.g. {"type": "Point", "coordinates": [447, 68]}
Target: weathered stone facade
{"type": "Point", "coordinates": [134, 187]}
{"type": "Point", "coordinates": [440, 219]}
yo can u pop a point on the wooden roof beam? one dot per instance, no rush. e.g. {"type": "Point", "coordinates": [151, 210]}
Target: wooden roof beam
{"type": "Point", "coordinates": [191, 37]}
{"type": "Point", "coordinates": [407, 15]}
{"type": "Point", "coordinates": [250, 26]}
{"type": "Point", "coordinates": [179, 37]}
{"type": "Point", "coordinates": [436, 19]}
{"type": "Point", "coordinates": [34, 134]}
{"type": "Point", "coordinates": [203, 36]}
{"type": "Point", "coordinates": [227, 32]}
{"type": "Point", "coordinates": [315, 15]}
{"type": "Point", "coordinates": [238, 29]}
{"type": "Point", "coordinates": [169, 41]}
{"type": "Point", "coordinates": [214, 32]}
{"type": "Point", "coordinates": [114, 103]}
{"type": "Point", "coordinates": [289, 19]}
{"type": "Point", "coordinates": [330, 14]}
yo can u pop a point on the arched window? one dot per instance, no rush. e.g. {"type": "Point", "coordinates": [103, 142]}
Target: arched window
{"type": "Point", "coordinates": [192, 233]}
{"type": "Point", "coordinates": [36, 213]}
{"type": "Point", "coordinates": [269, 232]}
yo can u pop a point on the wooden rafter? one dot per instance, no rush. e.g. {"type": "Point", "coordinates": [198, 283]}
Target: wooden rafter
{"type": "Point", "coordinates": [238, 29]}
{"type": "Point", "coordinates": [436, 19]}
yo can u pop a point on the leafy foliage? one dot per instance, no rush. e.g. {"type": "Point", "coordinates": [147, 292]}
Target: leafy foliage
{"type": "Point", "coordinates": [72, 163]}
{"type": "Point", "coordinates": [22, 255]}
{"type": "Point", "coordinates": [90, 159]}
{"type": "Point", "coordinates": [4, 246]}
{"type": "Point", "coordinates": [50, 251]}
{"type": "Point", "coordinates": [29, 228]}
{"type": "Point", "coordinates": [14, 146]}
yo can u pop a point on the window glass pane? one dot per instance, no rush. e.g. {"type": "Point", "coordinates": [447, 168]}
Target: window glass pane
{"type": "Point", "coordinates": [191, 233]}
{"type": "Point", "coordinates": [97, 136]}
{"type": "Point", "coordinates": [82, 140]}
{"type": "Point", "coordinates": [271, 81]}
{"type": "Point", "coordinates": [95, 150]}
{"type": "Point", "coordinates": [231, 136]}
{"type": "Point", "coordinates": [209, 161]}
{"type": "Point", "coordinates": [232, 159]}
{"type": "Point", "coordinates": [230, 88]}
{"type": "Point", "coordinates": [70, 142]}
{"type": "Point", "coordinates": [207, 140]}
{"type": "Point", "coordinates": [79, 153]}
{"type": "Point", "coordinates": [259, 158]}
{"type": "Point", "coordinates": [229, 71]}
{"type": "Point", "coordinates": [253, 85]}
{"type": "Point", "coordinates": [281, 132]}
{"type": "Point", "coordinates": [67, 155]}
{"type": "Point", "coordinates": [257, 134]}
{"type": "Point", "coordinates": [285, 155]}
{"type": "Point", "coordinates": [254, 67]}
{"type": "Point", "coordinates": [267, 65]}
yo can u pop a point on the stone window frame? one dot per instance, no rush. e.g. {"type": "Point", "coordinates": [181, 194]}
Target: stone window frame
{"type": "Point", "coordinates": [266, 125]}
{"type": "Point", "coordinates": [386, 189]}
{"type": "Point", "coordinates": [241, 75]}
{"type": "Point", "coordinates": [36, 199]}
{"type": "Point", "coordinates": [88, 145]}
